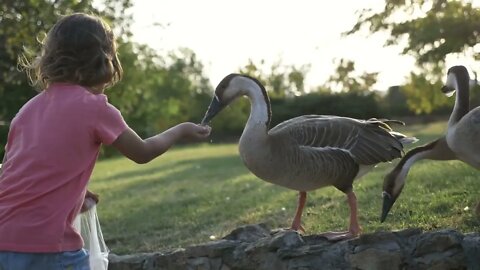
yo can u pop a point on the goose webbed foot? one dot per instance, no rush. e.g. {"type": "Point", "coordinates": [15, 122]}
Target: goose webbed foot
{"type": "Point", "coordinates": [353, 232]}
{"type": "Point", "coordinates": [296, 226]}
{"type": "Point", "coordinates": [354, 228]}
{"type": "Point", "coordinates": [338, 236]}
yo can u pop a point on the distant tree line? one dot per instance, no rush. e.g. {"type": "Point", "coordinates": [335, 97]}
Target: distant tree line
{"type": "Point", "coordinates": [158, 91]}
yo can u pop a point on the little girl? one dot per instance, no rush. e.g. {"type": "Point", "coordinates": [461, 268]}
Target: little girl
{"type": "Point", "coordinates": [54, 141]}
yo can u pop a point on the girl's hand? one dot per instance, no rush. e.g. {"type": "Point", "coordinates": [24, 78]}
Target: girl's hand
{"type": "Point", "coordinates": [195, 132]}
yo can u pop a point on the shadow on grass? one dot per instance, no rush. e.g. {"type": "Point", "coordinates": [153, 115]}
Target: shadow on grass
{"type": "Point", "coordinates": [197, 196]}
{"type": "Point", "coordinates": [146, 170]}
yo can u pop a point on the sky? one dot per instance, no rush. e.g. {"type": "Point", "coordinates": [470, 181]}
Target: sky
{"type": "Point", "coordinates": [225, 34]}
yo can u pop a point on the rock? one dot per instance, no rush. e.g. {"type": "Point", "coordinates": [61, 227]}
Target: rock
{"type": "Point", "coordinates": [199, 263]}
{"type": "Point", "coordinates": [438, 242]}
{"type": "Point", "coordinates": [374, 258]}
{"type": "Point", "coordinates": [285, 239]}
{"type": "Point", "coordinates": [249, 233]}
{"type": "Point", "coordinates": [471, 249]}
{"type": "Point", "coordinates": [127, 262]}
{"type": "Point", "coordinates": [175, 259]}
{"type": "Point", "coordinates": [255, 247]}
{"type": "Point", "coordinates": [440, 250]}
{"type": "Point", "coordinates": [211, 249]}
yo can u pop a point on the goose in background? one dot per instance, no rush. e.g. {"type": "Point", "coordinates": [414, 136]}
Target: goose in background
{"type": "Point", "coordinates": [461, 141]}
{"type": "Point", "coordinates": [308, 152]}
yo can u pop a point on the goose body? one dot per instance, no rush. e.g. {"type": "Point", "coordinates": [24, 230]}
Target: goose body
{"type": "Point", "coordinates": [307, 152]}
{"type": "Point", "coordinates": [460, 141]}
{"type": "Point", "coordinates": [463, 138]}
{"type": "Point", "coordinates": [310, 152]}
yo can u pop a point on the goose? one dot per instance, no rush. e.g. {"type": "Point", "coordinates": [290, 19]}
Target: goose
{"type": "Point", "coordinates": [310, 151]}
{"type": "Point", "coordinates": [459, 143]}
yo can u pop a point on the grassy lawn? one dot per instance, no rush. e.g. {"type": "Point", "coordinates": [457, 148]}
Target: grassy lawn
{"type": "Point", "coordinates": [192, 194]}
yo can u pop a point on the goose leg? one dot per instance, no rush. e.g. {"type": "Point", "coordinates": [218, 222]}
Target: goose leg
{"type": "Point", "coordinates": [354, 228]}
{"type": "Point", "coordinates": [297, 220]}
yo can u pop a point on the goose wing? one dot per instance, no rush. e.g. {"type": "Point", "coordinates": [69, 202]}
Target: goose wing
{"type": "Point", "coordinates": [367, 141]}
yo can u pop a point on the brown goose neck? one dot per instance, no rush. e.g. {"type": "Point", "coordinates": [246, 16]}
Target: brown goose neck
{"type": "Point", "coordinates": [462, 98]}
{"type": "Point", "coordinates": [416, 154]}
{"type": "Point", "coordinates": [265, 99]}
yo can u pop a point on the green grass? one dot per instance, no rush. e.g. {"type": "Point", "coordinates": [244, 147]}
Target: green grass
{"type": "Point", "coordinates": [194, 192]}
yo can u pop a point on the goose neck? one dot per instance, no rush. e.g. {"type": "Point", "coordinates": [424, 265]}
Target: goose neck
{"type": "Point", "coordinates": [427, 151]}
{"type": "Point", "coordinates": [462, 102]}
{"type": "Point", "coordinates": [435, 150]}
{"type": "Point", "coordinates": [260, 112]}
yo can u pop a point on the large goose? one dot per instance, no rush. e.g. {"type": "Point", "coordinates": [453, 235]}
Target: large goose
{"type": "Point", "coordinates": [307, 152]}
{"type": "Point", "coordinates": [459, 143]}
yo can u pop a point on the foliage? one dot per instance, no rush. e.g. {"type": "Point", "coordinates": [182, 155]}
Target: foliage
{"type": "Point", "coordinates": [281, 81]}
{"type": "Point", "coordinates": [344, 80]}
{"type": "Point", "coordinates": [429, 30]}
{"type": "Point", "coordinates": [24, 24]}
{"type": "Point", "coordinates": [423, 91]}
{"type": "Point", "coordinates": [395, 102]}
{"type": "Point", "coordinates": [350, 104]}
{"type": "Point", "coordinates": [158, 92]}
{"type": "Point", "coordinates": [155, 93]}
{"type": "Point", "coordinates": [434, 28]}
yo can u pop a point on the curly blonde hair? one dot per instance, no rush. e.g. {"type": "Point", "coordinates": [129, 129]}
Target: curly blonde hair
{"type": "Point", "coordinates": [79, 49]}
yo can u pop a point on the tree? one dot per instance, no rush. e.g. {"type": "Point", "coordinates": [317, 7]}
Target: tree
{"type": "Point", "coordinates": [156, 91]}
{"type": "Point", "coordinates": [281, 80]}
{"type": "Point", "coordinates": [344, 79]}
{"type": "Point", "coordinates": [395, 102]}
{"type": "Point", "coordinates": [23, 24]}
{"type": "Point", "coordinates": [432, 30]}
{"type": "Point", "coordinates": [423, 91]}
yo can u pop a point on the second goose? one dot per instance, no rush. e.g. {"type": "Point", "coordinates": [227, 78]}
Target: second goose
{"type": "Point", "coordinates": [459, 143]}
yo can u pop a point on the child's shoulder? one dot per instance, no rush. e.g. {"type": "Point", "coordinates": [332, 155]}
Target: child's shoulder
{"type": "Point", "coordinates": [76, 93]}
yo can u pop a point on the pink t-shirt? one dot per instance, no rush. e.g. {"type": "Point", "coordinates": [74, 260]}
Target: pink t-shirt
{"type": "Point", "coordinates": [52, 146]}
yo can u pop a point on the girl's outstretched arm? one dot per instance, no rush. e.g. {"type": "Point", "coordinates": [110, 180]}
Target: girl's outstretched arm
{"type": "Point", "coordinates": [144, 150]}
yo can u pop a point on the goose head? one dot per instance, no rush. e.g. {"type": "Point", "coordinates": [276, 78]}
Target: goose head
{"type": "Point", "coordinates": [392, 187]}
{"type": "Point", "coordinates": [457, 77]}
{"type": "Point", "coordinates": [230, 88]}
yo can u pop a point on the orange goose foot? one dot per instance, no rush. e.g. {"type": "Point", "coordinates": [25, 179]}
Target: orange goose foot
{"type": "Point", "coordinates": [338, 236]}
{"type": "Point", "coordinates": [297, 227]}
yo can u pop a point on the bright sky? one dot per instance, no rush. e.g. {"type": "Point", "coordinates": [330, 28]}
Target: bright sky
{"type": "Point", "coordinates": [225, 34]}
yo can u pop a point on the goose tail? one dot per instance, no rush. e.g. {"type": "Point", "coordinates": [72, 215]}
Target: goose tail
{"type": "Point", "coordinates": [392, 121]}
{"type": "Point", "coordinates": [385, 123]}
{"type": "Point", "coordinates": [404, 139]}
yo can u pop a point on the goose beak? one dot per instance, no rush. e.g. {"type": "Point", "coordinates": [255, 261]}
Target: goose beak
{"type": "Point", "coordinates": [388, 202]}
{"type": "Point", "coordinates": [213, 109]}
{"type": "Point", "coordinates": [448, 91]}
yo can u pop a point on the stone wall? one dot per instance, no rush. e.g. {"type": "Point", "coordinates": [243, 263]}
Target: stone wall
{"type": "Point", "coordinates": [256, 247]}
